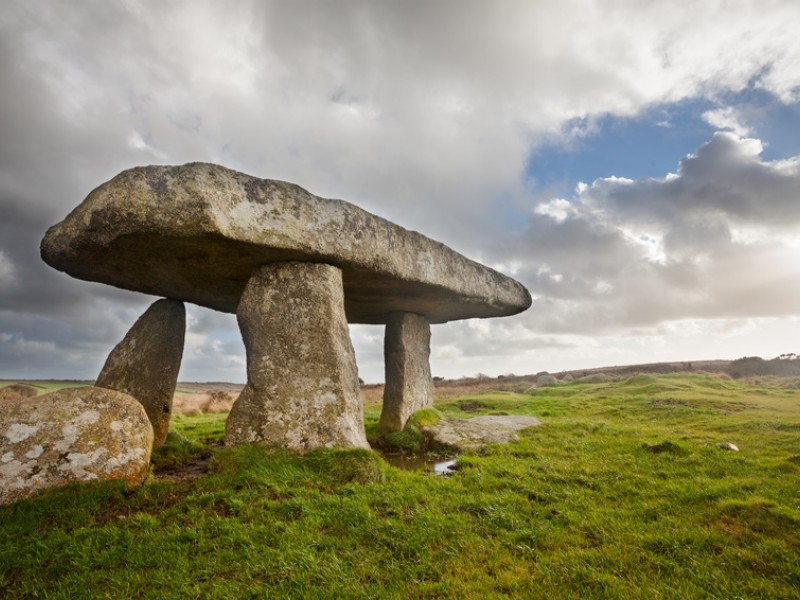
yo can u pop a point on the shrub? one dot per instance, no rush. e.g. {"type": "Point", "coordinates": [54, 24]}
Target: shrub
{"type": "Point", "coordinates": [785, 365]}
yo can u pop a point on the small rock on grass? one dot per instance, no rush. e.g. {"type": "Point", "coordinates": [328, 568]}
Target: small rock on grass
{"type": "Point", "coordinates": [728, 446]}
{"type": "Point", "coordinates": [474, 433]}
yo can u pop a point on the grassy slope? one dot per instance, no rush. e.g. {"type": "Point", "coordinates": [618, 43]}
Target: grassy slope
{"type": "Point", "coordinates": [622, 493]}
{"type": "Point", "coordinates": [46, 385]}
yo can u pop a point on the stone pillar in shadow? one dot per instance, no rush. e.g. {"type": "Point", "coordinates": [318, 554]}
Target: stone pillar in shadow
{"type": "Point", "coordinates": [409, 386]}
{"type": "Point", "coordinates": [146, 362]}
{"type": "Point", "coordinates": [302, 384]}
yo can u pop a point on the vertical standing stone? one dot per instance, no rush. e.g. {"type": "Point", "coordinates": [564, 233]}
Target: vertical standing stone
{"type": "Point", "coordinates": [146, 362]}
{"type": "Point", "coordinates": [409, 386]}
{"type": "Point", "coordinates": [302, 384]}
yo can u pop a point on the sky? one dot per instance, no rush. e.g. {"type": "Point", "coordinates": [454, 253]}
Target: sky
{"type": "Point", "coordinates": [635, 166]}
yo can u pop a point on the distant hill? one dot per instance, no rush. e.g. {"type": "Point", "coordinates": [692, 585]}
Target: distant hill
{"type": "Point", "coordinates": [785, 365]}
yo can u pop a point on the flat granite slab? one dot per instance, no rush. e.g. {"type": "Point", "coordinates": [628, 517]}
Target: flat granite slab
{"type": "Point", "coordinates": [476, 432]}
{"type": "Point", "coordinates": [196, 232]}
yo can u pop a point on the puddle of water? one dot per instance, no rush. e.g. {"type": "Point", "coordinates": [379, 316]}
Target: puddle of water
{"type": "Point", "coordinates": [437, 465]}
{"type": "Point", "coordinates": [447, 467]}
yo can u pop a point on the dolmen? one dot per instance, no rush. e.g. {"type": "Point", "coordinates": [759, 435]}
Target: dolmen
{"type": "Point", "coordinates": [295, 269]}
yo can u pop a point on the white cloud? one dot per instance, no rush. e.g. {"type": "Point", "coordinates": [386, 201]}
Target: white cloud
{"type": "Point", "coordinates": [717, 239]}
{"type": "Point", "coordinates": [558, 209]}
{"type": "Point", "coordinates": [727, 119]}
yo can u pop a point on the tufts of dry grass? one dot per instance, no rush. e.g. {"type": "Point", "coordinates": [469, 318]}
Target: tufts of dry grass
{"type": "Point", "coordinates": [372, 393]}
{"type": "Point", "coordinates": [8, 394]}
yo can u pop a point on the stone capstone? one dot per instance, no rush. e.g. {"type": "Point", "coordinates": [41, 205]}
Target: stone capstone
{"type": "Point", "coordinates": [302, 384]}
{"type": "Point", "coordinates": [409, 385]}
{"type": "Point", "coordinates": [146, 362]}
{"type": "Point", "coordinates": [76, 434]}
{"type": "Point", "coordinates": [196, 232]}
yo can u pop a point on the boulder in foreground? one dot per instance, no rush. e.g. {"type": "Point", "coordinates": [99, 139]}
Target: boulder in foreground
{"type": "Point", "coordinates": [76, 434]}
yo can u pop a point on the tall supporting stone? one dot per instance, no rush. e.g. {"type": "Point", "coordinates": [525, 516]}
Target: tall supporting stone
{"type": "Point", "coordinates": [409, 386]}
{"type": "Point", "coordinates": [302, 383]}
{"type": "Point", "coordinates": [146, 362]}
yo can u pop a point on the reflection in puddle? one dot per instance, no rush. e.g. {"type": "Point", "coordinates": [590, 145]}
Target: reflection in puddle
{"type": "Point", "coordinates": [447, 467]}
{"type": "Point", "coordinates": [438, 465]}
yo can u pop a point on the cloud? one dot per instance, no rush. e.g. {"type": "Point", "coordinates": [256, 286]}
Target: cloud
{"type": "Point", "coordinates": [717, 239]}
{"type": "Point", "coordinates": [723, 183]}
{"type": "Point", "coordinates": [7, 271]}
{"type": "Point", "coordinates": [727, 119]}
{"type": "Point", "coordinates": [426, 114]}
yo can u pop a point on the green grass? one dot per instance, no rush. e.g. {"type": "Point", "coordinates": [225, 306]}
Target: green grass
{"type": "Point", "coordinates": [622, 493]}
{"type": "Point", "coordinates": [177, 451]}
{"type": "Point", "coordinates": [206, 428]}
{"type": "Point", "coordinates": [411, 437]}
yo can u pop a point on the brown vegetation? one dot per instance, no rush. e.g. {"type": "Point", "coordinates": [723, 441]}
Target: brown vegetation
{"type": "Point", "coordinates": [17, 390]}
{"type": "Point", "coordinates": [213, 401]}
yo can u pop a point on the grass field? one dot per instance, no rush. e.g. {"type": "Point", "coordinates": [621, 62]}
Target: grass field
{"type": "Point", "coordinates": [44, 386]}
{"type": "Point", "coordinates": [624, 492]}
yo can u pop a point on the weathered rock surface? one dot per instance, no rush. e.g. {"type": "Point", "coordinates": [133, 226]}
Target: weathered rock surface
{"type": "Point", "coordinates": [302, 383]}
{"type": "Point", "coordinates": [409, 385]}
{"type": "Point", "coordinates": [146, 362]}
{"type": "Point", "coordinates": [464, 434]}
{"type": "Point", "coordinates": [77, 434]}
{"type": "Point", "coordinates": [195, 233]}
